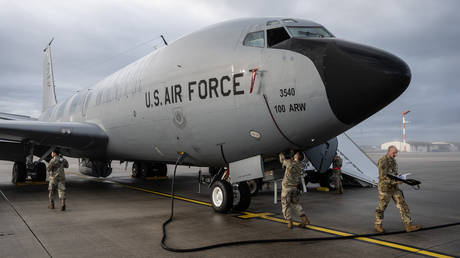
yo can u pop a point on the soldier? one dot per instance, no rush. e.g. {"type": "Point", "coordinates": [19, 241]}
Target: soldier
{"type": "Point", "coordinates": [388, 188]}
{"type": "Point", "coordinates": [337, 172]}
{"type": "Point", "coordinates": [290, 193]}
{"type": "Point", "coordinates": [57, 178]}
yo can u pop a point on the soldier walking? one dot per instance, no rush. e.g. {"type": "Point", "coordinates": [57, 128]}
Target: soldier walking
{"type": "Point", "coordinates": [388, 189]}
{"type": "Point", "coordinates": [290, 193]}
{"type": "Point", "coordinates": [57, 178]}
{"type": "Point", "coordinates": [337, 172]}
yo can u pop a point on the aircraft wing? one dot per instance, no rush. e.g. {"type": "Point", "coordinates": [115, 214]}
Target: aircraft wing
{"type": "Point", "coordinates": [75, 137]}
{"type": "Point", "coordinates": [7, 116]}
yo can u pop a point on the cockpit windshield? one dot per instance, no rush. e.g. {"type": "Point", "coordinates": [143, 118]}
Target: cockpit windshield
{"type": "Point", "coordinates": [309, 32]}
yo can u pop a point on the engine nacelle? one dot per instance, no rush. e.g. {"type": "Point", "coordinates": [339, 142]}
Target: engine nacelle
{"type": "Point", "coordinates": [95, 168]}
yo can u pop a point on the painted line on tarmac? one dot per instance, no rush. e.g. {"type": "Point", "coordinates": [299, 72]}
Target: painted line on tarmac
{"type": "Point", "coordinates": [165, 194]}
{"type": "Point", "coordinates": [406, 248]}
{"type": "Point", "coordinates": [268, 216]}
{"type": "Point", "coordinates": [144, 190]}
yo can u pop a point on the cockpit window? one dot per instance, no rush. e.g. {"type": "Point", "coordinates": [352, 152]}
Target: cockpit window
{"type": "Point", "coordinates": [254, 39]}
{"type": "Point", "coordinates": [309, 32]}
{"type": "Point", "coordinates": [276, 35]}
{"type": "Point", "coordinates": [273, 22]}
{"type": "Point", "coordinates": [289, 21]}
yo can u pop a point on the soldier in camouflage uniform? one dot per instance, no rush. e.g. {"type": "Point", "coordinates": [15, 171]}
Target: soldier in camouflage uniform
{"type": "Point", "coordinates": [290, 193]}
{"type": "Point", "coordinates": [388, 189]}
{"type": "Point", "coordinates": [57, 178]}
{"type": "Point", "coordinates": [337, 172]}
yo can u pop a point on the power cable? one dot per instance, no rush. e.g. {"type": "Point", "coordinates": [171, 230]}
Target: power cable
{"type": "Point", "coordinates": [265, 241]}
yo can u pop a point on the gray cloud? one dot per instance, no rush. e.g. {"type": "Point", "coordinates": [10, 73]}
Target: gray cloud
{"type": "Point", "coordinates": [89, 35]}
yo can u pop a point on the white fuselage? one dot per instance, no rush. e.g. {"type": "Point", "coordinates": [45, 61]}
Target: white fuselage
{"type": "Point", "coordinates": [194, 96]}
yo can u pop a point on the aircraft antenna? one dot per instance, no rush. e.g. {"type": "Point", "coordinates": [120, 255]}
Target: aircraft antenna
{"type": "Point", "coordinates": [166, 43]}
{"type": "Point", "coordinates": [404, 129]}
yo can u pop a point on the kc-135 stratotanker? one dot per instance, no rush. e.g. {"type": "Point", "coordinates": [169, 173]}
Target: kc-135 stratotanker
{"type": "Point", "coordinates": [232, 95]}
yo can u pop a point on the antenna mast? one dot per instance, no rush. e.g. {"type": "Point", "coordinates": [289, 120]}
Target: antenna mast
{"type": "Point", "coordinates": [404, 129]}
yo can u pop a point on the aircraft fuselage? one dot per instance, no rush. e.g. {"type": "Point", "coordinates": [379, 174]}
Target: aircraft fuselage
{"type": "Point", "coordinates": [211, 96]}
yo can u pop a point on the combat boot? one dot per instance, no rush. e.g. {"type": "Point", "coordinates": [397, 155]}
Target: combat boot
{"type": "Point", "coordinates": [410, 227]}
{"type": "Point", "coordinates": [290, 224]}
{"type": "Point", "coordinates": [379, 228]}
{"type": "Point", "coordinates": [63, 205]}
{"type": "Point", "coordinates": [305, 221]}
{"type": "Point", "coordinates": [51, 205]}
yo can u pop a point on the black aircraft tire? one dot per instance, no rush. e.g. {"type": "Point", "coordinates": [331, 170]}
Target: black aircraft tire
{"type": "Point", "coordinates": [158, 169]}
{"type": "Point", "coordinates": [163, 170]}
{"type": "Point", "coordinates": [135, 169]}
{"type": "Point", "coordinates": [41, 172]}
{"type": "Point", "coordinates": [244, 196]}
{"type": "Point", "coordinates": [145, 170]}
{"type": "Point", "coordinates": [19, 173]}
{"type": "Point", "coordinates": [253, 187]}
{"type": "Point", "coordinates": [222, 196]}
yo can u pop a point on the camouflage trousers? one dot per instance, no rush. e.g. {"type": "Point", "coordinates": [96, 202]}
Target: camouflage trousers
{"type": "Point", "coordinates": [398, 198]}
{"type": "Point", "coordinates": [59, 183]}
{"type": "Point", "coordinates": [338, 182]}
{"type": "Point", "coordinates": [290, 197]}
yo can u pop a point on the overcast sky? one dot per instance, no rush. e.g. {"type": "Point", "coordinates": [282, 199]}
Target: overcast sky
{"type": "Point", "coordinates": [93, 40]}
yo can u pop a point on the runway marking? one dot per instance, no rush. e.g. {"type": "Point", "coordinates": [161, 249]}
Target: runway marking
{"type": "Point", "coordinates": [165, 195]}
{"type": "Point", "coordinates": [250, 215]}
{"type": "Point", "coordinates": [144, 190]}
{"type": "Point", "coordinates": [405, 248]}
{"type": "Point", "coordinates": [268, 216]}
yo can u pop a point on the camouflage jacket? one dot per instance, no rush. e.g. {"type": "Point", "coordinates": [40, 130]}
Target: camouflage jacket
{"type": "Point", "coordinates": [292, 173]}
{"type": "Point", "coordinates": [57, 165]}
{"type": "Point", "coordinates": [337, 162]}
{"type": "Point", "coordinates": [387, 166]}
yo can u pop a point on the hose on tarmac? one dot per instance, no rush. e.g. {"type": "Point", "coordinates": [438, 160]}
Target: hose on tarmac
{"type": "Point", "coordinates": [266, 241]}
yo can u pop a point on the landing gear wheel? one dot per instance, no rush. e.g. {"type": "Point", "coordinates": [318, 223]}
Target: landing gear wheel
{"type": "Point", "coordinates": [159, 170]}
{"type": "Point", "coordinates": [135, 169]}
{"type": "Point", "coordinates": [145, 170]}
{"type": "Point", "coordinates": [222, 196]}
{"type": "Point", "coordinates": [253, 187]}
{"type": "Point", "coordinates": [19, 173]}
{"type": "Point", "coordinates": [40, 172]}
{"type": "Point", "coordinates": [241, 197]}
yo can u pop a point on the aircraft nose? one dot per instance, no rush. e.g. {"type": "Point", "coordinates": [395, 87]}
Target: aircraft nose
{"type": "Point", "coordinates": [359, 80]}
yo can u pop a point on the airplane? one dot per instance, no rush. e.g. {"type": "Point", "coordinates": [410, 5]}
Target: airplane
{"type": "Point", "coordinates": [234, 95]}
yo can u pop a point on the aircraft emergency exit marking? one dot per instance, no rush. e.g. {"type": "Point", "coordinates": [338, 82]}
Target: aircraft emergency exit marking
{"type": "Point", "coordinates": [195, 90]}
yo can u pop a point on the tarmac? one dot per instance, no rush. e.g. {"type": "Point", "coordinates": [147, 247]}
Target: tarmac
{"type": "Point", "coordinates": [120, 216]}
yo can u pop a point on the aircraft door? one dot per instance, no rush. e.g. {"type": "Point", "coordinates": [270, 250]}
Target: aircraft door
{"type": "Point", "coordinates": [252, 51]}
